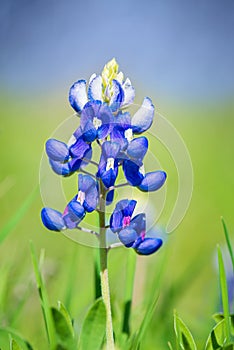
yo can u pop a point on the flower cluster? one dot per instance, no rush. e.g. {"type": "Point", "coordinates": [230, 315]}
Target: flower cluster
{"type": "Point", "coordinates": [101, 106]}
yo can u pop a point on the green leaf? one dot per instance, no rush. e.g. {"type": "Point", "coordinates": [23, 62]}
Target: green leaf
{"type": "Point", "coordinates": [64, 334]}
{"type": "Point", "coordinates": [11, 224]}
{"type": "Point", "coordinates": [6, 332]}
{"type": "Point", "coordinates": [216, 337]}
{"type": "Point", "coordinates": [66, 315]}
{"type": "Point", "coordinates": [14, 345]}
{"type": "Point", "coordinates": [224, 293]}
{"type": "Point", "coordinates": [47, 314]}
{"type": "Point", "coordinates": [94, 327]}
{"type": "Point", "coordinates": [228, 241]}
{"type": "Point", "coordinates": [184, 337]}
{"type": "Point", "coordinates": [219, 317]}
{"type": "Point", "coordinates": [169, 345]}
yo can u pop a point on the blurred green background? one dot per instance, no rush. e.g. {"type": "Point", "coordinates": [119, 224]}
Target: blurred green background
{"type": "Point", "coordinates": [48, 46]}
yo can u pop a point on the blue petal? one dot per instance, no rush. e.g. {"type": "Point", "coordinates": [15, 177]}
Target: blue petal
{"type": "Point", "coordinates": [110, 149]}
{"type": "Point", "coordinates": [153, 181]}
{"type": "Point", "coordinates": [108, 177]}
{"type": "Point", "coordinates": [78, 96]}
{"type": "Point", "coordinates": [74, 164]}
{"type": "Point", "coordinates": [149, 246]}
{"type": "Point", "coordinates": [116, 221]}
{"type": "Point", "coordinates": [52, 219]}
{"type": "Point", "coordinates": [117, 96]}
{"type": "Point", "coordinates": [91, 199]}
{"type": "Point", "coordinates": [118, 137]}
{"type": "Point", "coordinates": [88, 156]}
{"type": "Point", "coordinates": [127, 236]}
{"type": "Point", "coordinates": [110, 197]}
{"type": "Point", "coordinates": [122, 209]}
{"type": "Point", "coordinates": [85, 182]}
{"type": "Point", "coordinates": [138, 223]}
{"type": "Point", "coordinates": [143, 118]}
{"type": "Point", "coordinates": [76, 211]}
{"type": "Point", "coordinates": [126, 206]}
{"type": "Point", "coordinates": [137, 148]}
{"type": "Point", "coordinates": [105, 115]}
{"type": "Point", "coordinates": [57, 150]}
{"type": "Point", "coordinates": [95, 89]}
{"type": "Point", "coordinates": [60, 168]}
{"type": "Point", "coordinates": [129, 93]}
{"type": "Point", "coordinates": [78, 149]}
{"type": "Point", "coordinates": [89, 132]}
{"type": "Point", "coordinates": [90, 110]}
{"type": "Point", "coordinates": [132, 173]}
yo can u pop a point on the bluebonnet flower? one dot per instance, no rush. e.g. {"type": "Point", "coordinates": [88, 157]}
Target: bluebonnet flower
{"type": "Point", "coordinates": [125, 127]}
{"type": "Point", "coordinates": [85, 201]}
{"type": "Point", "coordinates": [133, 167]}
{"type": "Point", "coordinates": [101, 106]}
{"type": "Point", "coordinates": [95, 121]}
{"type": "Point", "coordinates": [131, 231]}
{"type": "Point", "coordinates": [109, 87]}
{"type": "Point", "coordinates": [66, 159]}
{"type": "Point", "coordinates": [108, 165]}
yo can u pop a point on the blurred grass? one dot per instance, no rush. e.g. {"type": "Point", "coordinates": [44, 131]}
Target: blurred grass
{"type": "Point", "coordinates": [208, 134]}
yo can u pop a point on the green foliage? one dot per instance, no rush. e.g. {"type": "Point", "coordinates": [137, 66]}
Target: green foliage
{"type": "Point", "coordinates": [14, 345]}
{"type": "Point", "coordinates": [57, 320]}
{"type": "Point", "coordinates": [46, 310]}
{"type": "Point", "coordinates": [184, 338]}
{"type": "Point", "coordinates": [16, 339]}
{"type": "Point", "coordinates": [64, 334]}
{"type": "Point", "coordinates": [217, 338]}
{"type": "Point", "coordinates": [93, 328]}
{"type": "Point", "coordinates": [228, 241]}
{"type": "Point", "coordinates": [18, 215]}
{"type": "Point", "coordinates": [224, 293]}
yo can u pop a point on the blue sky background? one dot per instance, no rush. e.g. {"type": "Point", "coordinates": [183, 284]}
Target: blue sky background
{"type": "Point", "coordinates": [182, 49]}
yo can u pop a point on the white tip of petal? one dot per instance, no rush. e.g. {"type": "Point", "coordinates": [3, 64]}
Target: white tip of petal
{"type": "Point", "coordinates": [129, 92]}
{"type": "Point", "coordinates": [92, 77]}
{"type": "Point", "coordinates": [143, 118]}
{"type": "Point", "coordinates": [78, 96]}
{"type": "Point", "coordinates": [95, 89]}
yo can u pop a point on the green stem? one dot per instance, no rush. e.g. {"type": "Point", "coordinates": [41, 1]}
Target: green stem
{"type": "Point", "coordinates": [103, 251]}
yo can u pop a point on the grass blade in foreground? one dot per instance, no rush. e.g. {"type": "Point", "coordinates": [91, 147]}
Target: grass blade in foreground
{"type": "Point", "coordinates": [184, 338]}
{"type": "Point", "coordinates": [47, 314]}
{"type": "Point", "coordinates": [14, 345]}
{"type": "Point", "coordinates": [5, 333]}
{"type": "Point", "coordinates": [10, 225]}
{"type": "Point", "coordinates": [228, 241]}
{"type": "Point", "coordinates": [94, 327]}
{"type": "Point", "coordinates": [217, 337]}
{"type": "Point", "coordinates": [224, 293]}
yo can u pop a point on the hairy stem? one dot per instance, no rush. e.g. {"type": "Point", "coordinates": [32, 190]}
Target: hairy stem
{"type": "Point", "coordinates": [103, 251]}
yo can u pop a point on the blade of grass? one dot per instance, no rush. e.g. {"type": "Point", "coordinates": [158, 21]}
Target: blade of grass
{"type": "Point", "coordinates": [97, 279]}
{"type": "Point", "coordinates": [15, 219]}
{"type": "Point", "coordinates": [47, 314]}
{"type": "Point", "coordinates": [129, 285]}
{"type": "Point", "coordinates": [228, 241]}
{"type": "Point", "coordinates": [224, 293]}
